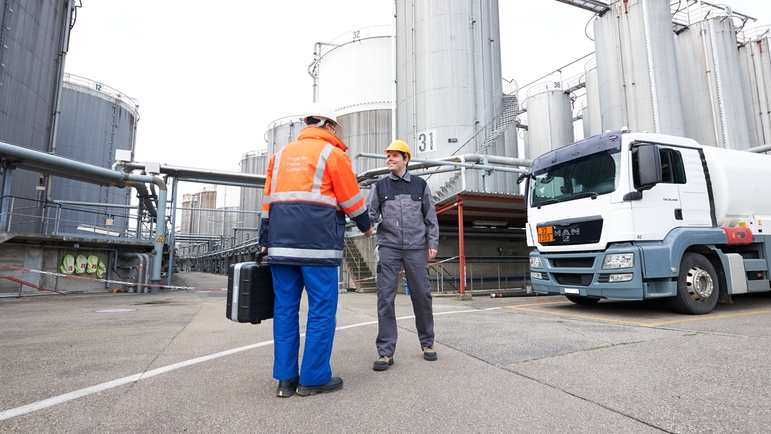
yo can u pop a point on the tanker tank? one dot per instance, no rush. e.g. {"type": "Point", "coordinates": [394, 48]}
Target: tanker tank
{"type": "Point", "coordinates": [741, 183]}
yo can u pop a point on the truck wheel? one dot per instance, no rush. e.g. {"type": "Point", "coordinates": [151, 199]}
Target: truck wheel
{"type": "Point", "coordinates": [697, 286]}
{"type": "Point", "coordinates": [582, 300]}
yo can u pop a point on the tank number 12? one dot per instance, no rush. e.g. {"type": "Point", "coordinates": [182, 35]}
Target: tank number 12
{"type": "Point", "coordinates": [426, 141]}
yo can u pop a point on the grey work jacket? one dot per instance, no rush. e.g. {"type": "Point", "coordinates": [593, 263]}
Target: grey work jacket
{"type": "Point", "coordinates": [409, 218]}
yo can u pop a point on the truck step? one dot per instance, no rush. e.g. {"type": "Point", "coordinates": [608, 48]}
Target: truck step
{"type": "Point", "coordinates": [755, 265]}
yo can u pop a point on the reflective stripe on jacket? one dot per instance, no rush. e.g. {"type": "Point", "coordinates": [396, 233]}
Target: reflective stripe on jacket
{"type": "Point", "coordinates": [409, 217]}
{"type": "Point", "coordinates": [309, 189]}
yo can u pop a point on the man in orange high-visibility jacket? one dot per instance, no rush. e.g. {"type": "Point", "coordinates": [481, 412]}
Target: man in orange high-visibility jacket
{"type": "Point", "coordinates": [309, 189]}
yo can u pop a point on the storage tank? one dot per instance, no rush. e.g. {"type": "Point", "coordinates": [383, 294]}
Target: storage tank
{"type": "Point", "coordinates": [549, 119]}
{"type": "Point", "coordinates": [353, 74]}
{"type": "Point", "coordinates": [33, 39]}
{"type": "Point", "coordinates": [755, 65]}
{"type": "Point", "coordinates": [592, 118]}
{"type": "Point", "coordinates": [448, 78]}
{"type": "Point", "coordinates": [203, 219]}
{"type": "Point", "coordinates": [711, 86]}
{"type": "Point", "coordinates": [95, 121]}
{"type": "Point", "coordinates": [254, 162]}
{"type": "Point", "coordinates": [637, 68]}
{"type": "Point", "coordinates": [282, 132]}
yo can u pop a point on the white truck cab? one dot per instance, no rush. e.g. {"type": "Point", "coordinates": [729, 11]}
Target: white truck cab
{"type": "Point", "coordinates": [633, 216]}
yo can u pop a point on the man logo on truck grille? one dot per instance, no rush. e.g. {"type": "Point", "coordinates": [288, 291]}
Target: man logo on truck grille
{"type": "Point", "coordinates": [566, 233]}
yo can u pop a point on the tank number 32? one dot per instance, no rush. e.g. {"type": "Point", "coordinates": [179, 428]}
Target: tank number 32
{"type": "Point", "coordinates": [426, 141]}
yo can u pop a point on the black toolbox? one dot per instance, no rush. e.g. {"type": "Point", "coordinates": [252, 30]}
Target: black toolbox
{"type": "Point", "coordinates": [250, 292]}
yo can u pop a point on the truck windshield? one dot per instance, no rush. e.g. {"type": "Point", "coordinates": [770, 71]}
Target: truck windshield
{"type": "Point", "coordinates": [588, 176]}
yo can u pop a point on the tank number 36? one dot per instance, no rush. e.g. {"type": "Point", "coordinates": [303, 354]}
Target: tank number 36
{"type": "Point", "coordinates": [426, 141]}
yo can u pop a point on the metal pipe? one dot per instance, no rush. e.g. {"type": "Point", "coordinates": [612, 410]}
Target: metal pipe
{"type": "Point", "coordinates": [58, 89]}
{"type": "Point", "coordinates": [5, 201]}
{"type": "Point", "coordinates": [106, 205]}
{"type": "Point", "coordinates": [160, 230]}
{"type": "Point", "coordinates": [448, 161]}
{"type": "Point", "coordinates": [170, 267]}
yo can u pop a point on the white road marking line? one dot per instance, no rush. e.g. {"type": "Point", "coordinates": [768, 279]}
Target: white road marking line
{"type": "Point", "coordinates": [29, 408]}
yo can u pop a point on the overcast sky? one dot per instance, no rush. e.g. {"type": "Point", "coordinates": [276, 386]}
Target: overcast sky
{"type": "Point", "coordinates": [209, 76]}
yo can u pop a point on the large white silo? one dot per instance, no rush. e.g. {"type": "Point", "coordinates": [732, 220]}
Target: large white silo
{"type": "Point", "coordinates": [592, 118]}
{"type": "Point", "coordinates": [254, 162]}
{"type": "Point", "coordinates": [353, 73]}
{"type": "Point", "coordinates": [549, 119]}
{"type": "Point", "coordinates": [448, 77]}
{"type": "Point", "coordinates": [755, 64]}
{"type": "Point", "coordinates": [95, 121]}
{"type": "Point", "coordinates": [637, 68]}
{"type": "Point", "coordinates": [710, 83]}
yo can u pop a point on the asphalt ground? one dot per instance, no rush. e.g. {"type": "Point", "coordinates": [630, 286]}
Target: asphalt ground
{"type": "Point", "coordinates": [171, 362]}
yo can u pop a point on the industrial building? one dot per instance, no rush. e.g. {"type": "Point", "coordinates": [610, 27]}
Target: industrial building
{"type": "Point", "coordinates": [67, 143]}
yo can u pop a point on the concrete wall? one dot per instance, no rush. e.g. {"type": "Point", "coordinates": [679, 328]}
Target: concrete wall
{"type": "Point", "coordinates": [49, 259]}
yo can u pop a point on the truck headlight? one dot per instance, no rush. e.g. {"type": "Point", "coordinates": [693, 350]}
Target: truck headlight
{"type": "Point", "coordinates": [537, 275]}
{"type": "Point", "coordinates": [535, 262]}
{"type": "Point", "coordinates": [616, 260]}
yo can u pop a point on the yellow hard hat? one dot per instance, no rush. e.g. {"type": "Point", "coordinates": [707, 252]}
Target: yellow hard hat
{"type": "Point", "coordinates": [399, 146]}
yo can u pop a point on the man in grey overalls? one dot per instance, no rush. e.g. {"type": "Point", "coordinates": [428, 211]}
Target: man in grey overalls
{"type": "Point", "coordinates": [408, 228]}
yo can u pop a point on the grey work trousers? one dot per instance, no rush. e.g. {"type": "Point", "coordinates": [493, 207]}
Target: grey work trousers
{"type": "Point", "coordinates": [416, 268]}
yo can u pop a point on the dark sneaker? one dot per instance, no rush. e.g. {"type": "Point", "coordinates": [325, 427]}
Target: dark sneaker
{"type": "Point", "coordinates": [286, 388]}
{"type": "Point", "coordinates": [383, 363]}
{"type": "Point", "coordinates": [429, 353]}
{"type": "Point", "coordinates": [336, 383]}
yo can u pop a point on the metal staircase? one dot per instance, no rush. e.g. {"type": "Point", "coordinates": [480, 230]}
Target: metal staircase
{"type": "Point", "coordinates": [357, 268]}
{"type": "Point", "coordinates": [505, 119]}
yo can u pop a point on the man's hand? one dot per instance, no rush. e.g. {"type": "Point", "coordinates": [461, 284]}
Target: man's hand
{"type": "Point", "coordinates": [264, 249]}
{"type": "Point", "coordinates": [431, 253]}
{"type": "Point", "coordinates": [369, 232]}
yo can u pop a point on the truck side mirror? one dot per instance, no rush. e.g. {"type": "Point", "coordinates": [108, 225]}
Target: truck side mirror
{"type": "Point", "coordinates": [648, 166]}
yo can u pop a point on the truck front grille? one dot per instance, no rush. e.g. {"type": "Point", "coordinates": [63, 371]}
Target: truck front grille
{"type": "Point", "coordinates": [573, 279]}
{"type": "Point", "coordinates": [572, 262]}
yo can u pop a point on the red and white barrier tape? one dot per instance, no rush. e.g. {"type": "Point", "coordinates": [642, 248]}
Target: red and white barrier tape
{"type": "Point", "coordinates": [117, 282]}
{"type": "Point", "coordinates": [152, 285]}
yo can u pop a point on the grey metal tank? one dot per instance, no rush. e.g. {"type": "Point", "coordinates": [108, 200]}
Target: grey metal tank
{"type": "Point", "coordinates": [755, 65]}
{"type": "Point", "coordinates": [254, 162]}
{"type": "Point", "coordinates": [637, 68]}
{"type": "Point", "coordinates": [549, 119]}
{"type": "Point", "coordinates": [202, 219]}
{"type": "Point", "coordinates": [282, 132]}
{"type": "Point", "coordinates": [448, 80]}
{"type": "Point", "coordinates": [711, 85]}
{"type": "Point", "coordinates": [353, 74]}
{"type": "Point", "coordinates": [33, 40]}
{"type": "Point", "coordinates": [95, 121]}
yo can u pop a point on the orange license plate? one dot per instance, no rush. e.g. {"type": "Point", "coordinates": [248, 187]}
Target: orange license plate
{"type": "Point", "coordinates": [546, 234]}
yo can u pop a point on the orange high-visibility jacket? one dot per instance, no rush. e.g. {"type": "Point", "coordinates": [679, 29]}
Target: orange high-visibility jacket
{"type": "Point", "coordinates": [309, 189]}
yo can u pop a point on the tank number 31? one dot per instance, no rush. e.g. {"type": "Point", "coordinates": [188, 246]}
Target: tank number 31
{"type": "Point", "coordinates": [426, 141]}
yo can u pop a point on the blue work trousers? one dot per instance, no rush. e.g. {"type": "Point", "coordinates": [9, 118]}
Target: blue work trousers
{"type": "Point", "coordinates": [321, 285]}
